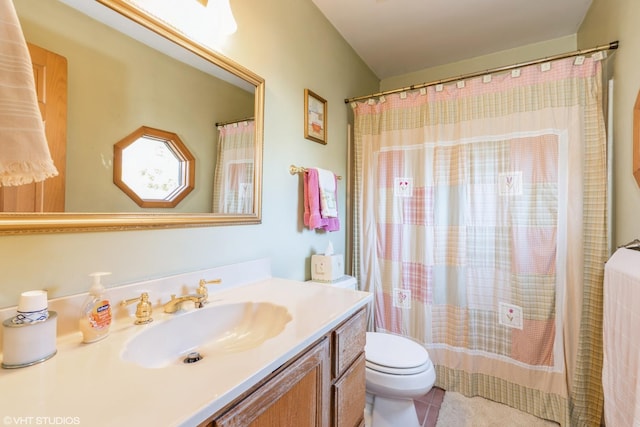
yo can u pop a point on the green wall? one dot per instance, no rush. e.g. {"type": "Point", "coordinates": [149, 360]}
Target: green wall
{"type": "Point", "coordinates": [607, 21]}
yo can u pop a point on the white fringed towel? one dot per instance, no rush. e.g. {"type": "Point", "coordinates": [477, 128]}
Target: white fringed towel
{"type": "Point", "coordinates": [327, 187]}
{"type": "Point", "coordinates": [621, 335]}
{"type": "Point", "coordinates": [24, 153]}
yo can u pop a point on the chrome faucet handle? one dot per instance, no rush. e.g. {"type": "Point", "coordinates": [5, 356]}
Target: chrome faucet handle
{"type": "Point", "coordinates": [143, 309]}
{"type": "Point", "coordinates": [203, 292]}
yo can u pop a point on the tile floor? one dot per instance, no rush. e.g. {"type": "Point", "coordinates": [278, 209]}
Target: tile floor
{"type": "Point", "coordinates": [428, 407]}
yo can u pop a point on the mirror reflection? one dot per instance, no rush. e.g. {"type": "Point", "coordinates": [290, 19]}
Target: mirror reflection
{"type": "Point", "coordinates": [153, 167]}
{"type": "Point", "coordinates": [116, 84]}
{"type": "Point", "coordinates": [233, 185]}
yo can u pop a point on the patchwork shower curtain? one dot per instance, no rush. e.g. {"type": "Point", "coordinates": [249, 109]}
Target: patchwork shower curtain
{"type": "Point", "coordinates": [233, 179]}
{"type": "Point", "coordinates": [480, 216]}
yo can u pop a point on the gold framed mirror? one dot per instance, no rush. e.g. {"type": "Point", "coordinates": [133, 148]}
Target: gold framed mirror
{"type": "Point", "coordinates": [101, 206]}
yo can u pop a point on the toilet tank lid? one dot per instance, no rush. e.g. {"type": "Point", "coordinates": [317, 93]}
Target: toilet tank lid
{"type": "Point", "coordinates": [394, 351]}
{"type": "Point", "coordinates": [346, 282]}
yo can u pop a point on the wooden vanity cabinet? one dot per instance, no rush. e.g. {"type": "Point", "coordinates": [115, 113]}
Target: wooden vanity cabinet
{"type": "Point", "coordinates": [348, 396]}
{"type": "Point", "coordinates": [296, 396]}
{"type": "Point", "coordinates": [324, 386]}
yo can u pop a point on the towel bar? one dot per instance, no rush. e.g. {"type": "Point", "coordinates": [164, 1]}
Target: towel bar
{"type": "Point", "coordinates": [299, 169]}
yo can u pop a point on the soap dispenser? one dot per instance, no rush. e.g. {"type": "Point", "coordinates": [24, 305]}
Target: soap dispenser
{"type": "Point", "coordinates": [95, 318]}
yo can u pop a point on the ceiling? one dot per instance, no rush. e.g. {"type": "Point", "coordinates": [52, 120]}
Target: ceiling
{"type": "Point", "coordinates": [396, 37]}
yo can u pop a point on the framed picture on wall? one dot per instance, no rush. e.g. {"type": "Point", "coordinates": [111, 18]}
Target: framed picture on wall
{"type": "Point", "coordinates": [315, 117]}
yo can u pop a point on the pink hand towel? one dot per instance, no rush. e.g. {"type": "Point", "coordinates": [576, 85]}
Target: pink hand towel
{"type": "Point", "coordinates": [312, 217]}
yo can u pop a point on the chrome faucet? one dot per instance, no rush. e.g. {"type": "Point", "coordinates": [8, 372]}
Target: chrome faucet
{"type": "Point", "coordinates": [200, 298]}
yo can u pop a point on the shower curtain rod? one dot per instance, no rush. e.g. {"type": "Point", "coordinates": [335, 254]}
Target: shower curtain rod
{"type": "Point", "coordinates": [248, 119]}
{"type": "Point", "coordinates": [610, 46]}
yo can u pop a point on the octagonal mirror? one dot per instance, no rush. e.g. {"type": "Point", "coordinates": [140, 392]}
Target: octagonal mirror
{"type": "Point", "coordinates": [153, 167]}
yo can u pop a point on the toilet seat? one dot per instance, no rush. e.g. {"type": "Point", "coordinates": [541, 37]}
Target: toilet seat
{"type": "Point", "coordinates": [394, 354]}
{"type": "Point", "coordinates": [397, 371]}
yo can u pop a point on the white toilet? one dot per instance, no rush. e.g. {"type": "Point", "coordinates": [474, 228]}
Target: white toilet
{"type": "Point", "coordinates": [397, 371]}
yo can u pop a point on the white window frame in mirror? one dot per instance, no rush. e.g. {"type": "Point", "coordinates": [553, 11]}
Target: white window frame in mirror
{"type": "Point", "coordinates": [153, 167]}
{"type": "Point", "coordinates": [29, 223]}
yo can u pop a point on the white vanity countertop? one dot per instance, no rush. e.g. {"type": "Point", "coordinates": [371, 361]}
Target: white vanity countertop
{"type": "Point", "coordinates": [90, 385]}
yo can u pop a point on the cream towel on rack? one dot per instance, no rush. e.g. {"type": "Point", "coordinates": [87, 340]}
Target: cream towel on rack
{"type": "Point", "coordinates": [621, 341]}
{"type": "Point", "coordinates": [24, 153]}
{"type": "Point", "coordinates": [327, 186]}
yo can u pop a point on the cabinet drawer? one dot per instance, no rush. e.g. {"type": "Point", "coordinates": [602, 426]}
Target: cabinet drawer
{"type": "Point", "coordinates": [348, 342]}
{"type": "Point", "coordinates": [349, 396]}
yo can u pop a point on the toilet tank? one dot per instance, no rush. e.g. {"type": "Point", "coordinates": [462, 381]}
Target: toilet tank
{"type": "Point", "coordinates": [345, 282]}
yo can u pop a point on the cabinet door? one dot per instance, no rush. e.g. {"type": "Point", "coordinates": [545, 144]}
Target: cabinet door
{"type": "Point", "coordinates": [349, 341]}
{"type": "Point", "coordinates": [297, 396]}
{"type": "Point", "coordinates": [349, 396]}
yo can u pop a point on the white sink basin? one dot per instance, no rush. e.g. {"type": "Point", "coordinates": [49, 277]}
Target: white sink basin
{"type": "Point", "coordinates": [212, 330]}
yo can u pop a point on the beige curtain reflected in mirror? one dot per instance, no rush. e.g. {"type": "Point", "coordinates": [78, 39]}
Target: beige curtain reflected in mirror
{"type": "Point", "coordinates": [233, 180]}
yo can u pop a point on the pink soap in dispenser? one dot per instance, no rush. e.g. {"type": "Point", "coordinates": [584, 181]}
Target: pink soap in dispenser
{"type": "Point", "coordinates": [95, 318]}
